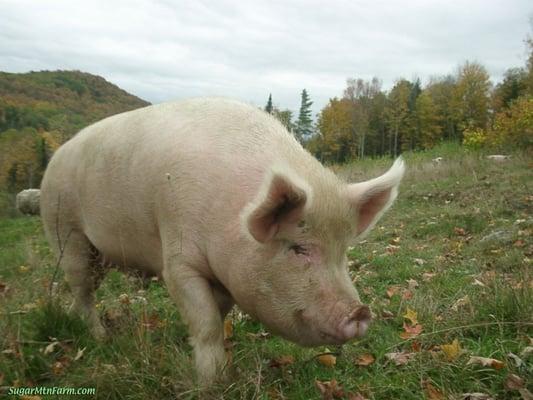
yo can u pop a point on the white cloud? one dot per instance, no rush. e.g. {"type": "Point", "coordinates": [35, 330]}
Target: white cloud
{"type": "Point", "coordinates": [161, 50]}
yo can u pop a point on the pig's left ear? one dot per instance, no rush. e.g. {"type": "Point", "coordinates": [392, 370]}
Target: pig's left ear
{"type": "Point", "coordinates": [280, 203]}
{"type": "Point", "coordinates": [372, 198]}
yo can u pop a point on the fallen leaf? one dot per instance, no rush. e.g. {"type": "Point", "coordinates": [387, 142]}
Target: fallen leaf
{"type": "Point", "coordinates": [411, 315]}
{"type": "Point", "coordinates": [427, 276]}
{"type": "Point", "coordinates": [410, 331]}
{"type": "Point", "coordinates": [124, 299]}
{"type": "Point", "coordinates": [475, 396]}
{"type": "Point", "coordinates": [281, 361]}
{"type": "Point", "coordinates": [463, 301]}
{"type": "Point", "coordinates": [486, 362]}
{"type": "Point", "coordinates": [329, 360]}
{"type": "Point", "coordinates": [477, 282]}
{"type": "Point", "coordinates": [258, 335]}
{"type": "Point", "coordinates": [407, 295]}
{"type": "Point", "coordinates": [518, 361]}
{"type": "Point", "coordinates": [459, 231]}
{"type": "Point", "coordinates": [50, 348]}
{"type": "Point", "coordinates": [386, 314]}
{"type": "Point", "coordinates": [451, 351]}
{"type": "Point", "coordinates": [329, 389]}
{"type": "Point", "coordinates": [527, 351]}
{"type": "Point", "coordinates": [412, 284]}
{"type": "Point", "coordinates": [365, 359]}
{"type": "Point", "coordinates": [513, 382]}
{"type": "Point", "coordinates": [416, 346]}
{"type": "Point", "coordinates": [400, 358]}
{"type": "Point", "coordinates": [228, 329]}
{"type": "Point", "coordinates": [432, 393]}
{"type": "Point", "coordinates": [391, 291]}
{"type": "Point", "coordinates": [79, 354]}
{"type": "Point", "coordinates": [419, 261]}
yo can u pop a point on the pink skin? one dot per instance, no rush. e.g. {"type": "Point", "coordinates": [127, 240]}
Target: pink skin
{"type": "Point", "coordinates": [212, 195]}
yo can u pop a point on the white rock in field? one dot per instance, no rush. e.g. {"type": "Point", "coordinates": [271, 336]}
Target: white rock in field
{"type": "Point", "coordinates": [28, 201]}
{"type": "Point", "coordinates": [498, 157]}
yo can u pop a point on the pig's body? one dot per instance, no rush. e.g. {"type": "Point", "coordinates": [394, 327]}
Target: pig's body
{"type": "Point", "coordinates": [167, 189]}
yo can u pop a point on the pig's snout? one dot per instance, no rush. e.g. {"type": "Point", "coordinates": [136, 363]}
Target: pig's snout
{"type": "Point", "coordinates": [355, 324]}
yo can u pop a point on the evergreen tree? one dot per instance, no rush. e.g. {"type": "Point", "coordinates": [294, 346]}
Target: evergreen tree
{"type": "Point", "coordinates": [269, 107]}
{"type": "Point", "coordinates": [304, 125]}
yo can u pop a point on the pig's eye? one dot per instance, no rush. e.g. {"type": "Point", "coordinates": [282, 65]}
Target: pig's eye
{"type": "Point", "coordinates": [299, 250]}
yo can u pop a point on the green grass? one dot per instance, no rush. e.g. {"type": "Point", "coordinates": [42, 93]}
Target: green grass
{"type": "Point", "coordinates": [443, 216]}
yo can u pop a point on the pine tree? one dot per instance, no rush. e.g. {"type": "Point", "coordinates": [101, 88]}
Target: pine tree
{"type": "Point", "coordinates": [269, 107]}
{"type": "Point", "coordinates": [304, 125]}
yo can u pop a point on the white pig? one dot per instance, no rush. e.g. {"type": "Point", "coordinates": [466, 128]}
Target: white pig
{"type": "Point", "coordinates": [218, 199]}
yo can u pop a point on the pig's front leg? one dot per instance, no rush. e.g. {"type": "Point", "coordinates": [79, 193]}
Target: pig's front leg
{"type": "Point", "coordinates": [194, 296]}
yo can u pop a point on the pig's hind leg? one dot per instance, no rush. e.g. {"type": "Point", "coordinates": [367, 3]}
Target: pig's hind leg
{"type": "Point", "coordinates": [77, 259]}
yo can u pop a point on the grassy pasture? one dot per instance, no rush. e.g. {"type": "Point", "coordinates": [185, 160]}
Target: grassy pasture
{"type": "Point", "coordinates": [456, 249]}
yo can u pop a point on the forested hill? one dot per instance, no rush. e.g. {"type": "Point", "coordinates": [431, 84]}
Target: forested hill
{"type": "Point", "coordinates": [59, 100]}
{"type": "Point", "coordinates": [41, 110]}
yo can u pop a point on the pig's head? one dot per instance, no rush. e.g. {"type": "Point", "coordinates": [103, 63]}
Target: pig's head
{"type": "Point", "coordinates": [299, 285]}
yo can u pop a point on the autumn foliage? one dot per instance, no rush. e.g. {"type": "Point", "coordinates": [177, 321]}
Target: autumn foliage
{"type": "Point", "coordinates": [41, 110]}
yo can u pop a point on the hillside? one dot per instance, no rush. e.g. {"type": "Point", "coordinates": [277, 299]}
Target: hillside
{"type": "Point", "coordinates": [41, 110]}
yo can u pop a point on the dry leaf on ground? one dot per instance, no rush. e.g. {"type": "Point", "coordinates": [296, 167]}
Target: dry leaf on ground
{"type": "Point", "coordinates": [451, 351]}
{"type": "Point", "coordinates": [407, 295]}
{"type": "Point", "coordinates": [410, 331]}
{"type": "Point", "coordinates": [391, 291]}
{"type": "Point", "coordinates": [400, 358]}
{"type": "Point", "coordinates": [50, 348]}
{"type": "Point", "coordinates": [365, 359]}
{"type": "Point", "coordinates": [427, 276]}
{"type": "Point", "coordinates": [432, 393]}
{"type": "Point", "coordinates": [513, 382]}
{"type": "Point", "coordinates": [329, 360]}
{"type": "Point", "coordinates": [463, 301]}
{"type": "Point", "coordinates": [329, 389]}
{"type": "Point", "coordinates": [517, 360]}
{"type": "Point", "coordinates": [79, 354]}
{"type": "Point", "coordinates": [486, 362]}
{"type": "Point", "coordinates": [527, 351]}
{"type": "Point", "coordinates": [411, 315]}
{"type": "Point", "coordinates": [281, 361]}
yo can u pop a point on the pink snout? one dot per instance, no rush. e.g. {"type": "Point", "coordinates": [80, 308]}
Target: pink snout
{"type": "Point", "coordinates": [354, 325]}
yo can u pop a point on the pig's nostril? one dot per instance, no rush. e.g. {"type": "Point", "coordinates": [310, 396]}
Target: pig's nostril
{"type": "Point", "coordinates": [355, 324]}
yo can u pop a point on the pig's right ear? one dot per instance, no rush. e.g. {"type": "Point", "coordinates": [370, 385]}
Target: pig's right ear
{"type": "Point", "coordinates": [281, 201]}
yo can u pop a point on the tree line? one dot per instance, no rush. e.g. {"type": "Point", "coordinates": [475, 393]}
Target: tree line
{"type": "Point", "coordinates": [367, 121]}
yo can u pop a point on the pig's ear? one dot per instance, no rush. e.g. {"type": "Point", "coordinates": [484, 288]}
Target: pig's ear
{"type": "Point", "coordinates": [280, 202]}
{"type": "Point", "coordinates": [372, 198]}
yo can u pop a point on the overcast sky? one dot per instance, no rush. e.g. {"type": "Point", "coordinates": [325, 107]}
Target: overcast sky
{"type": "Point", "coordinates": [163, 50]}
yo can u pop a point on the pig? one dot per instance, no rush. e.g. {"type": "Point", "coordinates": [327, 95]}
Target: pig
{"type": "Point", "coordinates": [218, 199]}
